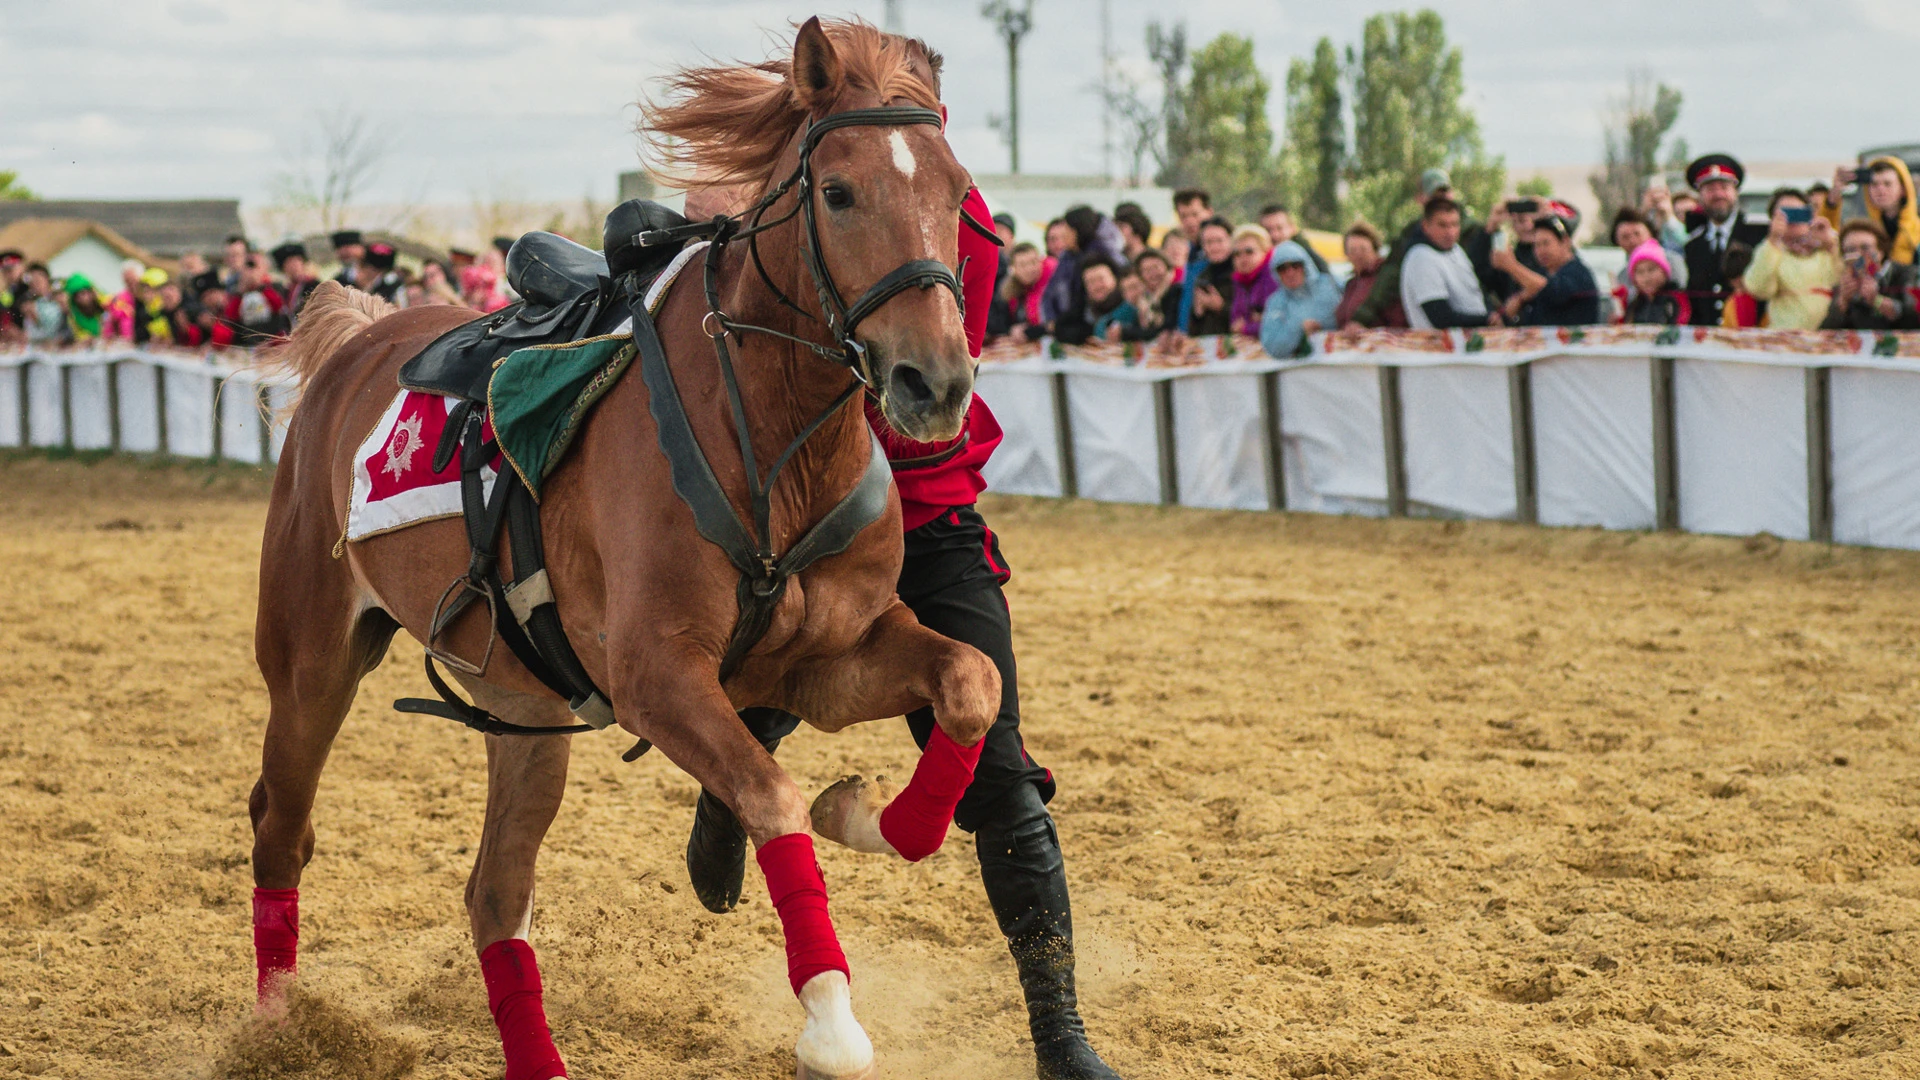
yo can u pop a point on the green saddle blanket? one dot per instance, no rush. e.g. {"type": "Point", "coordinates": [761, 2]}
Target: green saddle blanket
{"type": "Point", "coordinates": [540, 396]}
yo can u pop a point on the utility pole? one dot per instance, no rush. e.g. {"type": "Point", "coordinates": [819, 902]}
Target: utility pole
{"type": "Point", "coordinates": [892, 22]}
{"type": "Point", "coordinates": [1012, 23]}
{"type": "Point", "coordinates": [1106, 89]}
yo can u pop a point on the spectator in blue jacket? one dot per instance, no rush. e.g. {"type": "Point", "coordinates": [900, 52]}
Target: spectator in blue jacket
{"type": "Point", "coordinates": [1304, 303]}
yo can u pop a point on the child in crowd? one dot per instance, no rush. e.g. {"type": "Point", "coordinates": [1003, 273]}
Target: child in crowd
{"type": "Point", "coordinates": [1653, 299]}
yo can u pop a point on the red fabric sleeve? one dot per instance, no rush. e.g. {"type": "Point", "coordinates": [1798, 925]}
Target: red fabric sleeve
{"type": "Point", "coordinates": [980, 266]}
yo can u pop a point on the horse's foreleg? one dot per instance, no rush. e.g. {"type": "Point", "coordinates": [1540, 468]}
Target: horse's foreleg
{"type": "Point", "coordinates": [681, 708]}
{"type": "Point", "coordinates": [901, 666]}
{"type": "Point", "coordinates": [526, 777]}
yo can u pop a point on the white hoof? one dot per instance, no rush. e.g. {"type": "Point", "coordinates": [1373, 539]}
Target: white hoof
{"type": "Point", "coordinates": [848, 813]}
{"type": "Point", "coordinates": [832, 1046]}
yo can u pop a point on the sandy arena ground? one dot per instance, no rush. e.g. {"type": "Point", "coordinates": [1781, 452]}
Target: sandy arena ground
{"type": "Point", "coordinates": [1340, 798]}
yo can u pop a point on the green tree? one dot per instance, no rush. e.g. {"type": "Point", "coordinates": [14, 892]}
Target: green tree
{"type": "Point", "coordinates": [1637, 124]}
{"type": "Point", "coordinates": [1536, 186]}
{"type": "Point", "coordinates": [1408, 117]}
{"type": "Point", "coordinates": [12, 190]}
{"type": "Point", "coordinates": [1316, 148]}
{"type": "Point", "coordinates": [1230, 142]}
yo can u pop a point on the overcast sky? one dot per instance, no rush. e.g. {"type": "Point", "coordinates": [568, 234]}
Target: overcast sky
{"type": "Point", "coordinates": [487, 98]}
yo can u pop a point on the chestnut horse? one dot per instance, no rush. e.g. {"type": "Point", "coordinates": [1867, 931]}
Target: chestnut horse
{"type": "Point", "coordinates": [647, 603]}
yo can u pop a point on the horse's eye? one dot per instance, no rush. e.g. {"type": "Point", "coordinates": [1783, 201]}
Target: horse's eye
{"type": "Point", "coordinates": [838, 196]}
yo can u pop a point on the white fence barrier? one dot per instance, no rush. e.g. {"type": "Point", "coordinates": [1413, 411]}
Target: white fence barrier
{"type": "Point", "coordinates": [1727, 433]}
{"type": "Point", "coordinates": [1719, 433]}
{"type": "Point", "coordinates": [139, 401]}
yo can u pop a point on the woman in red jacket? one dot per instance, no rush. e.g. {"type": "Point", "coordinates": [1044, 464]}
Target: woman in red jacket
{"type": "Point", "coordinates": [951, 579]}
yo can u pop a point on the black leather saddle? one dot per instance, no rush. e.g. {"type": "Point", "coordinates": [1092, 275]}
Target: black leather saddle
{"type": "Point", "coordinates": [568, 292]}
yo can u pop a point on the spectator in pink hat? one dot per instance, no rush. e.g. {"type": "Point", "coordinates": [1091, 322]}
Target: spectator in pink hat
{"type": "Point", "coordinates": [1654, 299]}
{"type": "Point", "coordinates": [480, 288]}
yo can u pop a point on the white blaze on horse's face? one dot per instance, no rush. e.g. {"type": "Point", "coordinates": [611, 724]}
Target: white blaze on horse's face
{"type": "Point", "coordinates": [902, 154]}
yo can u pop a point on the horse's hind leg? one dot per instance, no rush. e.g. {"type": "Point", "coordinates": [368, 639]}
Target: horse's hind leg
{"type": "Point", "coordinates": [526, 777]}
{"type": "Point", "coordinates": [314, 639]}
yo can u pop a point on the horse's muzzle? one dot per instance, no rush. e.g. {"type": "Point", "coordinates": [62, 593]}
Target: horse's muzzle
{"type": "Point", "coordinates": [924, 401]}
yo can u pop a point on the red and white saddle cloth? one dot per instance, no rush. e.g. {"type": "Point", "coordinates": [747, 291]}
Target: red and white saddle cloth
{"type": "Point", "coordinates": [394, 484]}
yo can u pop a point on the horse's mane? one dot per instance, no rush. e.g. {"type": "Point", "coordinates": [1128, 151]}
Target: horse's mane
{"type": "Point", "coordinates": [729, 125]}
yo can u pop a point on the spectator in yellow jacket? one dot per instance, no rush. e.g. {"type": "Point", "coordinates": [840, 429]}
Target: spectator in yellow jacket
{"type": "Point", "coordinates": [1796, 269]}
{"type": "Point", "coordinates": [1887, 187]}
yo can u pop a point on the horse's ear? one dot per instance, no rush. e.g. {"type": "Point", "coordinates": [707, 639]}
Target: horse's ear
{"type": "Point", "coordinates": [817, 75]}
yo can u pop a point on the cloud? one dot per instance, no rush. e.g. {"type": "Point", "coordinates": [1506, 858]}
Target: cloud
{"type": "Point", "coordinates": [200, 96]}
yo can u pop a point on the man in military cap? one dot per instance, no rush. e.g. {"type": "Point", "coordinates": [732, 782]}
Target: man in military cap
{"type": "Point", "coordinates": [290, 259]}
{"type": "Point", "coordinates": [1715, 226]}
{"type": "Point", "coordinates": [350, 249]}
{"type": "Point", "coordinates": [377, 276]}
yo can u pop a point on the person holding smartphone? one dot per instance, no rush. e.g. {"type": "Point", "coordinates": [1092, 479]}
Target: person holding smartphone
{"type": "Point", "coordinates": [1887, 188]}
{"type": "Point", "coordinates": [1875, 293]}
{"type": "Point", "coordinates": [1798, 267]}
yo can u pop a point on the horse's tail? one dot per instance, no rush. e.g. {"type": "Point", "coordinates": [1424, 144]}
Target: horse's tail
{"type": "Point", "coordinates": [331, 317]}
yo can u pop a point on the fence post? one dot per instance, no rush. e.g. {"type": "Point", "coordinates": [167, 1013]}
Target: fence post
{"type": "Point", "coordinates": [218, 441]}
{"type": "Point", "coordinates": [263, 410]}
{"type": "Point", "coordinates": [1820, 454]}
{"type": "Point", "coordinates": [1063, 437]}
{"type": "Point", "coordinates": [113, 405]}
{"type": "Point", "coordinates": [66, 406]}
{"type": "Point", "coordinates": [163, 440]}
{"type": "Point", "coordinates": [1272, 447]}
{"type": "Point", "coordinates": [1163, 439]}
{"type": "Point", "coordinates": [1526, 483]}
{"type": "Point", "coordinates": [25, 407]}
{"type": "Point", "coordinates": [1393, 437]}
{"type": "Point", "coordinates": [1666, 465]}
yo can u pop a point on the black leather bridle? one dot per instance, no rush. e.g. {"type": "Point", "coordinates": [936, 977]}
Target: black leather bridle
{"type": "Point", "coordinates": [841, 319]}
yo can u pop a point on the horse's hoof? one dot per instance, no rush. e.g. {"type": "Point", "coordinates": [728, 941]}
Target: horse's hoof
{"type": "Point", "coordinates": [833, 1046]}
{"type": "Point", "coordinates": [848, 813]}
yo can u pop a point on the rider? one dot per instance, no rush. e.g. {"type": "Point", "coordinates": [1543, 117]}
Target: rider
{"type": "Point", "coordinates": [951, 579]}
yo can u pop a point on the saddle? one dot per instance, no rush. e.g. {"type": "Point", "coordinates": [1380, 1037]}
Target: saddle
{"type": "Point", "coordinates": [568, 292]}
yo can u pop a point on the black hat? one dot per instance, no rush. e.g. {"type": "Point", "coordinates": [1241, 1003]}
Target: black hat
{"type": "Point", "coordinates": [286, 251]}
{"type": "Point", "coordinates": [503, 244]}
{"type": "Point", "coordinates": [1006, 219]}
{"type": "Point", "coordinates": [345, 238]}
{"type": "Point", "coordinates": [13, 255]}
{"type": "Point", "coordinates": [206, 281]}
{"type": "Point", "coordinates": [380, 256]}
{"type": "Point", "coordinates": [1715, 167]}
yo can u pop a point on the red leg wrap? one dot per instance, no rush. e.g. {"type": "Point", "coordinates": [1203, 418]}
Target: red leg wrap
{"type": "Point", "coordinates": [916, 821]}
{"type": "Point", "coordinates": [276, 938]}
{"type": "Point", "coordinates": [800, 896]}
{"type": "Point", "coordinates": [513, 994]}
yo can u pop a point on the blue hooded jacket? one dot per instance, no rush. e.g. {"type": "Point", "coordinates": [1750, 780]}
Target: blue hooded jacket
{"type": "Point", "coordinates": [1316, 299]}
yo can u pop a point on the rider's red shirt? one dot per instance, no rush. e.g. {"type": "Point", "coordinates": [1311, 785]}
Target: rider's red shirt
{"type": "Point", "coordinates": [934, 476]}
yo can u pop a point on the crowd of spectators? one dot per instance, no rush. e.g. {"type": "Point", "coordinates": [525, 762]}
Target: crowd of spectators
{"type": "Point", "coordinates": [248, 298]}
{"type": "Point", "coordinates": [1690, 258]}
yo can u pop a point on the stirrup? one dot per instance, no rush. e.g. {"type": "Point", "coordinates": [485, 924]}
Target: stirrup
{"type": "Point", "coordinates": [443, 615]}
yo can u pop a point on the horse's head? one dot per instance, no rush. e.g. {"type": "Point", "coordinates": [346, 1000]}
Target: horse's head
{"type": "Point", "coordinates": [886, 195]}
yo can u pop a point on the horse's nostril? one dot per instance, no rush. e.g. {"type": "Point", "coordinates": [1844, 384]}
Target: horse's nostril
{"type": "Point", "coordinates": [911, 385]}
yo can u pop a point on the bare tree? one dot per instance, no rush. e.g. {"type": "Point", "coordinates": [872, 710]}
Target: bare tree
{"type": "Point", "coordinates": [1012, 23]}
{"type": "Point", "coordinates": [1140, 121]}
{"type": "Point", "coordinates": [1636, 124]}
{"type": "Point", "coordinates": [337, 159]}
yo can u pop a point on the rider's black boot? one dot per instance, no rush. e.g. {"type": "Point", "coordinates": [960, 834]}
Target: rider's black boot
{"type": "Point", "coordinates": [717, 846]}
{"type": "Point", "coordinates": [1026, 882]}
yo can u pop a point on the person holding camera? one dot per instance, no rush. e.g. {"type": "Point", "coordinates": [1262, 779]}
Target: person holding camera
{"type": "Point", "coordinates": [1798, 267]}
{"type": "Point", "coordinates": [1562, 292]}
{"type": "Point", "coordinates": [1887, 187]}
{"type": "Point", "coordinates": [1875, 293]}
